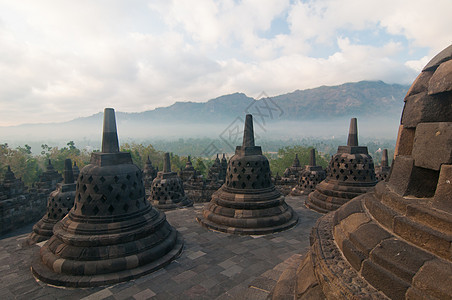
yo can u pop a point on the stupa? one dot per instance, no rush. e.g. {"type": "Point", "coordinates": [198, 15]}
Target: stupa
{"type": "Point", "coordinates": [149, 174]}
{"type": "Point", "coordinates": [59, 204]}
{"type": "Point", "coordinates": [224, 167]}
{"type": "Point", "coordinates": [11, 186]}
{"type": "Point", "coordinates": [75, 170]}
{"type": "Point", "coordinates": [194, 184]}
{"type": "Point", "coordinates": [309, 177]}
{"type": "Point", "coordinates": [290, 177]}
{"type": "Point", "coordinates": [395, 242]}
{"type": "Point", "coordinates": [49, 179]}
{"type": "Point", "coordinates": [382, 171]}
{"type": "Point", "coordinates": [216, 171]}
{"type": "Point", "coordinates": [112, 233]}
{"type": "Point", "coordinates": [350, 173]}
{"type": "Point", "coordinates": [248, 202]}
{"type": "Point", "coordinates": [167, 190]}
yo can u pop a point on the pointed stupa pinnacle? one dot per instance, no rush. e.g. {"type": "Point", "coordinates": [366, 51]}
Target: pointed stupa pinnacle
{"type": "Point", "coordinates": [149, 160]}
{"type": "Point", "coordinates": [9, 168]}
{"type": "Point", "coordinates": [296, 161]}
{"type": "Point", "coordinates": [110, 142]}
{"type": "Point", "coordinates": [248, 132]}
{"type": "Point", "coordinates": [353, 133]}
{"type": "Point", "coordinates": [312, 157]}
{"type": "Point", "coordinates": [384, 158]}
{"type": "Point", "coordinates": [68, 174]}
{"type": "Point", "coordinates": [189, 160]}
{"type": "Point", "coordinates": [166, 163]}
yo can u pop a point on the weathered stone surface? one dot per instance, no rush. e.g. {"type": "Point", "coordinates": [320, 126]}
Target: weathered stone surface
{"type": "Point", "coordinates": [443, 193]}
{"type": "Point", "coordinates": [248, 202]}
{"type": "Point", "coordinates": [421, 108]}
{"type": "Point", "coordinates": [420, 84]}
{"type": "Point", "coordinates": [441, 80]}
{"type": "Point", "coordinates": [434, 279]}
{"type": "Point", "coordinates": [429, 136]}
{"type": "Point", "coordinates": [404, 249]}
{"type": "Point", "coordinates": [112, 233]}
{"type": "Point", "coordinates": [440, 58]}
{"type": "Point", "coordinates": [405, 140]}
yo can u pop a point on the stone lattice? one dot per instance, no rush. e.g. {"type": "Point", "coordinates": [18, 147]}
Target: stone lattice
{"type": "Point", "coordinates": [59, 204]}
{"type": "Point", "coordinates": [350, 173]}
{"type": "Point", "coordinates": [167, 190]}
{"type": "Point", "coordinates": [309, 177]}
{"type": "Point", "coordinates": [248, 202]}
{"type": "Point", "coordinates": [112, 233]}
{"type": "Point", "coordinates": [395, 242]}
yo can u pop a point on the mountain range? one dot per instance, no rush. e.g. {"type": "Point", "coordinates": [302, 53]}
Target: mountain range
{"type": "Point", "coordinates": [364, 99]}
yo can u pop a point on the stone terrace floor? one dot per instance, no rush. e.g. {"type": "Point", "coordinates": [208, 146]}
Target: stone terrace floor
{"type": "Point", "coordinates": [213, 265]}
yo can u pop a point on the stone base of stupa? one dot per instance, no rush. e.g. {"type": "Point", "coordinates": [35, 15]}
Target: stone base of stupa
{"type": "Point", "coordinates": [329, 195]}
{"type": "Point", "coordinates": [253, 212]}
{"type": "Point", "coordinates": [378, 246]}
{"type": "Point", "coordinates": [42, 230]}
{"type": "Point", "coordinates": [106, 253]}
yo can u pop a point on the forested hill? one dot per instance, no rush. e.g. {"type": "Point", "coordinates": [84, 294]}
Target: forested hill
{"type": "Point", "coordinates": [360, 99]}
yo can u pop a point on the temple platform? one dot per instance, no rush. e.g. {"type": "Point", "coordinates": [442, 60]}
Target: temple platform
{"type": "Point", "coordinates": [213, 265]}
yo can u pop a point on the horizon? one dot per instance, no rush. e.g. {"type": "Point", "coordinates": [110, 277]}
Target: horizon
{"type": "Point", "coordinates": [64, 59]}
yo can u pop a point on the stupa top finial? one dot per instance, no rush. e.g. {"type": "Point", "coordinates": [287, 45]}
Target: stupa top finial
{"type": "Point", "coordinates": [110, 142]}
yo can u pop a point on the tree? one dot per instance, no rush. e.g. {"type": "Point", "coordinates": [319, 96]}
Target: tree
{"type": "Point", "coordinates": [286, 157]}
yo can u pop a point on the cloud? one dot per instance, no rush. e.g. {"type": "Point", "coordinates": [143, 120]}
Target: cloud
{"type": "Point", "coordinates": [63, 59]}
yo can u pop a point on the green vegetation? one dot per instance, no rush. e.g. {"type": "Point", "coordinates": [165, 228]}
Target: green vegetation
{"type": "Point", "coordinates": [286, 155]}
{"type": "Point", "coordinates": [27, 166]}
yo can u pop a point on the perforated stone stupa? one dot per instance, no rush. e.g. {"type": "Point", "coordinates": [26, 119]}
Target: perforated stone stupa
{"type": "Point", "coordinates": [112, 233]}
{"type": "Point", "coordinates": [248, 202]}
{"type": "Point", "coordinates": [58, 205]}
{"type": "Point", "coordinates": [167, 190]}
{"type": "Point", "coordinates": [49, 179]}
{"type": "Point", "coordinates": [309, 177]}
{"type": "Point", "coordinates": [382, 171]}
{"type": "Point", "coordinates": [350, 173]}
{"type": "Point", "coordinates": [395, 242]}
{"type": "Point", "coordinates": [290, 177]}
{"type": "Point", "coordinates": [75, 171]}
{"type": "Point", "coordinates": [149, 174]}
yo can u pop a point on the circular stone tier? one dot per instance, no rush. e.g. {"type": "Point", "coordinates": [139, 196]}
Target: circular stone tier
{"type": "Point", "coordinates": [348, 175]}
{"type": "Point", "coordinates": [248, 202]}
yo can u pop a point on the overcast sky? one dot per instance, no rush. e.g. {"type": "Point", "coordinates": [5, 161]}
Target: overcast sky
{"type": "Point", "coordinates": [64, 59]}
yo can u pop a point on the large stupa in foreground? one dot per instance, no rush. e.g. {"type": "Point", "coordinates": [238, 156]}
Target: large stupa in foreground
{"type": "Point", "coordinates": [112, 233]}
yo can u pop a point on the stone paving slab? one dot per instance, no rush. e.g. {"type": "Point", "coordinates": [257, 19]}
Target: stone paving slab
{"type": "Point", "coordinates": [213, 265]}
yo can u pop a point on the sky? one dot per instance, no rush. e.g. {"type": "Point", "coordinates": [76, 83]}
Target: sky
{"type": "Point", "coordinates": [63, 59]}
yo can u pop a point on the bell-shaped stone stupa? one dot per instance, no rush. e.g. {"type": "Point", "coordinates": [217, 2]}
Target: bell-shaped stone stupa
{"type": "Point", "coordinates": [248, 202]}
{"type": "Point", "coordinates": [350, 173]}
{"type": "Point", "coordinates": [383, 170]}
{"type": "Point", "coordinates": [395, 242]}
{"type": "Point", "coordinates": [112, 233]}
{"type": "Point", "coordinates": [75, 171]}
{"type": "Point", "coordinates": [309, 177]}
{"type": "Point", "coordinates": [167, 190]}
{"type": "Point", "coordinates": [59, 204]}
{"type": "Point", "coordinates": [149, 174]}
